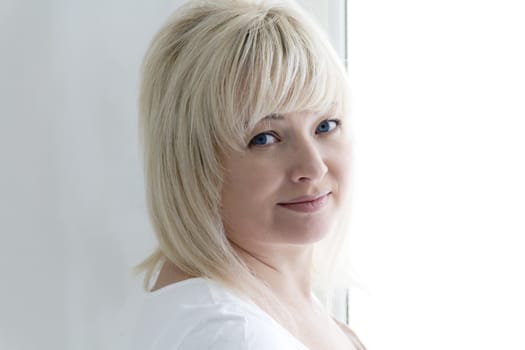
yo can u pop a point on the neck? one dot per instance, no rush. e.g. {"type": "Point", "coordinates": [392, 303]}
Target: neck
{"type": "Point", "coordinates": [286, 270]}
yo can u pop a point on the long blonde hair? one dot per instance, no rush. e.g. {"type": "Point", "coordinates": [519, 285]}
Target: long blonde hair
{"type": "Point", "coordinates": [211, 73]}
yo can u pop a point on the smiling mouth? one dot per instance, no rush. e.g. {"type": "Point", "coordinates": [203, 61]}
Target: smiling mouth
{"type": "Point", "coordinates": [307, 206]}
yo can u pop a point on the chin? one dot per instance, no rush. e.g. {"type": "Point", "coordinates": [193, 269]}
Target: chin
{"type": "Point", "coordinates": [308, 233]}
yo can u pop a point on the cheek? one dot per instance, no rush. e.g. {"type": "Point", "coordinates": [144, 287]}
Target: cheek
{"type": "Point", "coordinates": [341, 164]}
{"type": "Point", "coordinates": [248, 182]}
{"type": "Point", "coordinates": [248, 193]}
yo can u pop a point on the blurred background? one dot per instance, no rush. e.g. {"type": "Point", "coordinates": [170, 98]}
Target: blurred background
{"type": "Point", "coordinates": [438, 218]}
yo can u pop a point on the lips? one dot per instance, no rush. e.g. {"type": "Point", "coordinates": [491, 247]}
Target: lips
{"type": "Point", "coordinates": [307, 204]}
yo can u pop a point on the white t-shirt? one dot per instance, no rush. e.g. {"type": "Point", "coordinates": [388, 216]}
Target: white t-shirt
{"type": "Point", "coordinates": [201, 314]}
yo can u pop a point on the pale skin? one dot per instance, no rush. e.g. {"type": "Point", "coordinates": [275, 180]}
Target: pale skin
{"type": "Point", "coordinates": [282, 194]}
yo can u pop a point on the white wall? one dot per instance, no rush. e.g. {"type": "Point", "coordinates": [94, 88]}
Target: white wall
{"type": "Point", "coordinates": [439, 213]}
{"type": "Point", "coordinates": [73, 219]}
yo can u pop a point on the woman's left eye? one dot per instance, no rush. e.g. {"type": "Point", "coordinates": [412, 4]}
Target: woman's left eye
{"type": "Point", "coordinates": [327, 126]}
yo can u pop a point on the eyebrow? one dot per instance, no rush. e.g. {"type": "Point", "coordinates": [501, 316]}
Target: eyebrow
{"type": "Point", "coordinates": [273, 116]}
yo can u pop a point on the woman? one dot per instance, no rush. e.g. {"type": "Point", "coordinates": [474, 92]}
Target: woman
{"type": "Point", "coordinates": [243, 124]}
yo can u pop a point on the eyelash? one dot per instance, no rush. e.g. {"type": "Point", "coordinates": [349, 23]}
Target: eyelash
{"type": "Point", "coordinates": [336, 121]}
{"type": "Point", "coordinates": [274, 134]}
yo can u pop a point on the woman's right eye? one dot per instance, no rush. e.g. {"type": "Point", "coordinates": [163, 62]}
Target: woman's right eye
{"type": "Point", "coordinates": [263, 139]}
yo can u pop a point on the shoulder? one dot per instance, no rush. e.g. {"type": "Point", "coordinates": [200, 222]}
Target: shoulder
{"type": "Point", "coordinates": [199, 314]}
{"type": "Point", "coordinates": [235, 332]}
{"type": "Point", "coordinates": [351, 335]}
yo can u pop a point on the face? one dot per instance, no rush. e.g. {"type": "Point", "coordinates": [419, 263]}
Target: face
{"type": "Point", "coordinates": [289, 183]}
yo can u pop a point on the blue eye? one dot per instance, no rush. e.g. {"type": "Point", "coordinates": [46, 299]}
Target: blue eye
{"type": "Point", "coordinates": [327, 126]}
{"type": "Point", "coordinates": [263, 139]}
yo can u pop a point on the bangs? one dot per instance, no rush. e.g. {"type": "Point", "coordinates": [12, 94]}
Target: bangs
{"type": "Point", "coordinates": [286, 69]}
{"type": "Point", "coordinates": [276, 64]}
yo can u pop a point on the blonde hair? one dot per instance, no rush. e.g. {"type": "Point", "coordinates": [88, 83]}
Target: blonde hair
{"type": "Point", "coordinates": [210, 74]}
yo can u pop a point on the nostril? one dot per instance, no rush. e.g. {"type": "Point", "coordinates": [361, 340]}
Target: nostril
{"type": "Point", "coordinates": [310, 172]}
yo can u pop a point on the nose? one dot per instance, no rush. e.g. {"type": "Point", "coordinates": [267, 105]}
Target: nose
{"type": "Point", "coordinates": [307, 162]}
